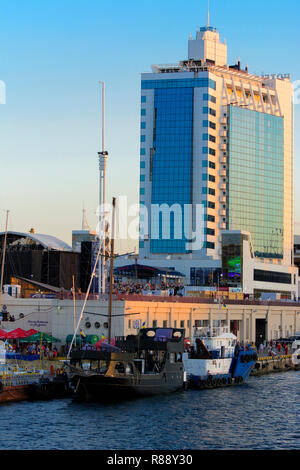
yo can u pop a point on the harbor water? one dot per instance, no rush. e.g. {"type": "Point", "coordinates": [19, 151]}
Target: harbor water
{"type": "Point", "coordinates": [261, 414]}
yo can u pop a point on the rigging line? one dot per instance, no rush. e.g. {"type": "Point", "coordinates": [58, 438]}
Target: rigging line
{"type": "Point", "coordinates": [86, 297]}
{"type": "Point", "coordinates": [119, 315]}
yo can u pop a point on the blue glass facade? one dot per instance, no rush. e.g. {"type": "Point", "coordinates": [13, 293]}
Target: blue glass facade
{"type": "Point", "coordinates": [179, 83]}
{"type": "Point", "coordinates": [172, 161]}
{"type": "Point", "coordinates": [255, 179]}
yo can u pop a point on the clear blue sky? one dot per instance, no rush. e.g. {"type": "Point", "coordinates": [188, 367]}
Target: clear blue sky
{"type": "Point", "coordinates": [53, 54]}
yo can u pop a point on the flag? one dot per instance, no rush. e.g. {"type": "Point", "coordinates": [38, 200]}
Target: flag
{"type": "Point", "coordinates": [144, 324]}
{"type": "Point", "coordinates": [103, 337]}
{"type": "Point", "coordinates": [224, 306]}
{"type": "Point", "coordinates": [82, 334]}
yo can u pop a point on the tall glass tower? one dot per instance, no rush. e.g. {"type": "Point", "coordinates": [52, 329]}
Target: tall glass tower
{"type": "Point", "coordinates": [216, 154]}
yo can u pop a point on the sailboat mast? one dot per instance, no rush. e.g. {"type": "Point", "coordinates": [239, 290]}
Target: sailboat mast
{"type": "Point", "coordinates": [112, 244]}
{"type": "Point", "coordinates": [3, 258]}
{"type": "Point", "coordinates": [74, 305]}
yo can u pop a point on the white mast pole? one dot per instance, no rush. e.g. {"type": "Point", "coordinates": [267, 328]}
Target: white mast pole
{"type": "Point", "coordinates": [102, 174]}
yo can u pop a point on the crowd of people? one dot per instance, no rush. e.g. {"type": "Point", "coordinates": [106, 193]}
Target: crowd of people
{"type": "Point", "coordinates": [49, 352]}
{"type": "Point", "coordinates": [146, 288]}
{"type": "Point", "coordinates": [274, 348]}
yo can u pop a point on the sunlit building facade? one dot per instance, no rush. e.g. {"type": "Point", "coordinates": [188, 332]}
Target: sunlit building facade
{"type": "Point", "coordinates": [215, 136]}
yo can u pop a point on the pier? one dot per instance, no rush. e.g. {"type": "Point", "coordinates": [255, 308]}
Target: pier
{"type": "Point", "coordinates": [271, 364]}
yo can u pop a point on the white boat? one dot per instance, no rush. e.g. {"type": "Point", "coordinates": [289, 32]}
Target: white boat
{"type": "Point", "coordinates": [296, 358]}
{"type": "Point", "coordinates": [216, 359]}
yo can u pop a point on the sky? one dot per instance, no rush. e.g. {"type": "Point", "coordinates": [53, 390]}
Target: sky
{"type": "Point", "coordinates": [53, 53]}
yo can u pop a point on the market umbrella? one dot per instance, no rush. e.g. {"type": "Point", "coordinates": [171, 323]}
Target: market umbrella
{"type": "Point", "coordinates": [38, 337]}
{"type": "Point", "coordinates": [31, 332]}
{"type": "Point", "coordinates": [15, 334]}
{"type": "Point", "coordinates": [3, 334]}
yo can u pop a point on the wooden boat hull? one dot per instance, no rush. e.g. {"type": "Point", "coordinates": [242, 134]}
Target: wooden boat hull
{"type": "Point", "coordinates": [15, 393]}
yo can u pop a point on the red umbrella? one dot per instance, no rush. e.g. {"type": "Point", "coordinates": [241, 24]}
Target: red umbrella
{"type": "Point", "coordinates": [3, 334]}
{"type": "Point", "coordinates": [31, 332]}
{"type": "Point", "coordinates": [99, 343]}
{"type": "Point", "coordinates": [18, 333]}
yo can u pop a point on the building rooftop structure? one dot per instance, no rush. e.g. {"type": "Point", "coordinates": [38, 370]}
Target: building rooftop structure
{"type": "Point", "coordinates": [21, 239]}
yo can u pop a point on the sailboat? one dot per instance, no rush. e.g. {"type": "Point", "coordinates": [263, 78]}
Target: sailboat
{"type": "Point", "coordinates": [149, 363]}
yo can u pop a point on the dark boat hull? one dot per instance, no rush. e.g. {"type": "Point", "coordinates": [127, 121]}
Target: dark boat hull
{"type": "Point", "coordinates": [110, 388]}
{"type": "Point", "coordinates": [58, 387]}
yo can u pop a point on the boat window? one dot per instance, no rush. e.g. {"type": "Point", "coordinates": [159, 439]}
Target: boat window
{"type": "Point", "coordinates": [120, 367]}
{"type": "Point", "coordinates": [177, 334]}
{"type": "Point", "coordinates": [151, 333]}
{"type": "Point", "coordinates": [172, 358]}
{"type": "Point", "coordinates": [129, 369]}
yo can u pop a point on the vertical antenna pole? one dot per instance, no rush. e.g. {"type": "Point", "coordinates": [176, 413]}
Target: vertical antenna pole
{"type": "Point", "coordinates": [102, 225]}
{"type": "Point", "coordinates": [208, 13]}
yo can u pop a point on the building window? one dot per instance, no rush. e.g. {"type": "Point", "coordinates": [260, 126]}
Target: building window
{"type": "Point", "coordinates": [272, 276]}
{"type": "Point", "coordinates": [129, 324]}
{"type": "Point", "coordinates": [210, 111]}
{"type": "Point", "coordinates": [143, 151]}
{"type": "Point", "coordinates": [154, 324]}
{"type": "Point", "coordinates": [142, 164]}
{"type": "Point", "coordinates": [143, 112]}
{"type": "Point", "coordinates": [209, 245]}
{"type": "Point", "coordinates": [165, 323]}
{"type": "Point", "coordinates": [175, 323]}
{"type": "Point", "coordinates": [208, 97]}
{"type": "Point", "coordinates": [97, 325]}
{"type": "Point", "coordinates": [143, 99]}
{"type": "Point", "coordinates": [143, 125]}
{"type": "Point", "coordinates": [181, 323]}
{"type": "Point", "coordinates": [143, 138]}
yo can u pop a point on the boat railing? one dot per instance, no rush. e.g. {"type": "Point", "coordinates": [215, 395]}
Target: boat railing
{"type": "Point", "coordinates": [207, 332]}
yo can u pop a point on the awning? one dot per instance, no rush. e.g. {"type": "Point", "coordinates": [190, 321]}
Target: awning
{"type": "Point", "coordinates": [38, 337]}
{"type": "Point", "coordinates": [140, 271]}
{"type": "Point", "coordinates": [15, 334]}
{"type": "Point", "coordinates": [3, 334]}
{"type": "Point", "coordinates": [78, 339]}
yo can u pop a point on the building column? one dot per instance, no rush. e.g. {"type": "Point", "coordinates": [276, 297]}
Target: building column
{"type": "Point", "coordinates": [210, 320]}
{"type": "Point", "coordinates": [252, 326]}
{"type": "Point", "coordinates": [228, 319]}
{"type": "Point", "coordinates": [282, 333]}
{"type": "Point", "coordinates": [170, 318]}
{"type": "Point", "coordinates": [244, 326]}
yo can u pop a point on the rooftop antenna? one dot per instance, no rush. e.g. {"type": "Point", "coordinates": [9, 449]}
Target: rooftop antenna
{"type": "Point", "coordinates": [85, 225]}
{"type": "Point", "coordinates": [208, 13]}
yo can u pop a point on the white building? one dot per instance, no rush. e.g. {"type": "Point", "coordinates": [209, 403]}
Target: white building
{"type": "Point", "coordinates": [216, 154]}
